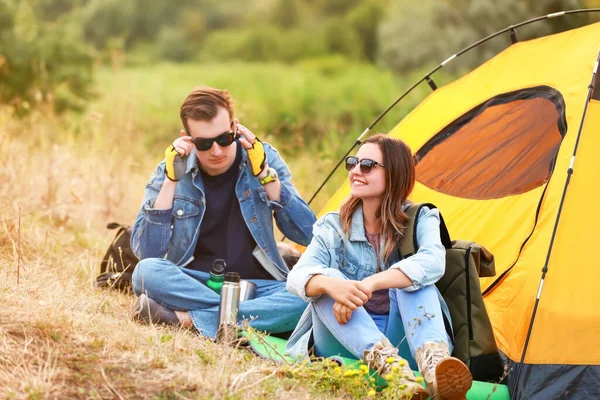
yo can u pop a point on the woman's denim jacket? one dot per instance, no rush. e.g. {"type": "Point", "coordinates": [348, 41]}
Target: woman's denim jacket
{"type": "Point", "coordinates": [355, 258]}
{"type": "Point", "coordinates": [173, 233]}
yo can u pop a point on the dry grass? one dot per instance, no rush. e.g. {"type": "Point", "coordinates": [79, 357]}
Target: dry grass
{"type": "Point", "coordinates": [59, 336]}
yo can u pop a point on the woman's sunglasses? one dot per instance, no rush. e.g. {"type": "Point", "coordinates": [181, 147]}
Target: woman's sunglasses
{"type": "Point", "coordinates": [365, 164]}
{"type": "Point", "coordinates": [223, 140]}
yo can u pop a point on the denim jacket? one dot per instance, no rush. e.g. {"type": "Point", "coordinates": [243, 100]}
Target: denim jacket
{"type": "Point", "coordinates": [355, 258]}
{"type": "Point", "coordinates": [173, 233]}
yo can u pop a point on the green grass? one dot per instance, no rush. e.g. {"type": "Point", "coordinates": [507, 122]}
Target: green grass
{"type": "Point", "coordinates": [65, 177]}
{"type": "Point", "coordinates": [312, 112]}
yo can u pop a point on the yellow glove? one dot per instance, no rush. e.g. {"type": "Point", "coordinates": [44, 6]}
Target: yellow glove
{"type": "Point", "coordinates": [174, 164]}
{"type": "Point", "coordinates": [257, 157]}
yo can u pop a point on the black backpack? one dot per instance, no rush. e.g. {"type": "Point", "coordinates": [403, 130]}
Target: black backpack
{"type": "Point", "coordinates": [119, 261]}
{"type": "Point", "coordinates": [474, 342]}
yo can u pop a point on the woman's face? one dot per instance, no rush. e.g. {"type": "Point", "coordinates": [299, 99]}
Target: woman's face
{"type": "Point", "coordinates": [368, 185]}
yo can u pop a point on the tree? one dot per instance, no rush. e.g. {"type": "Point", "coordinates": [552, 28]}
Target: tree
{"type": "Point", "coordinates": [43, 62]}
{"type": "Point", "coordinates": [420, 32]}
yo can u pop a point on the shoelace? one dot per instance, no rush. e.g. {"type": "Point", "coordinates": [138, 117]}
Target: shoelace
{"type": "Point", "coordinates": [432, 357]}
{"type": "Point", "coordinates": [383, 354]}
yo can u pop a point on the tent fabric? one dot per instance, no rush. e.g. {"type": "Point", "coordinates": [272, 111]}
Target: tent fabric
{"type": "Point", "coordinates": [515, 217]}
{"type": "Point", "coordinates": [512, 141]}
{"type": "Point", "coordinates": [548, 381]}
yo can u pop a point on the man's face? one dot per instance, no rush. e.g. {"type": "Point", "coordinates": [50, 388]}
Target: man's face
{"type": "Point", "coordinates": [217, 159]}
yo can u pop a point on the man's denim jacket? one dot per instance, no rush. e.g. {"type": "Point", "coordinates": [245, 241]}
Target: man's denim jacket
{"type": "Point", "coordinates": [173, 233]}
{"type": "Point", "coordinates": [355, 258]}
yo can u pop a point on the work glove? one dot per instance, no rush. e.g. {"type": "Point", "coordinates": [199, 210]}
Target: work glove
{"type": "Point", "coordinates": [174, 164]}
{"type": "Point", "coordinates": [257, 157]}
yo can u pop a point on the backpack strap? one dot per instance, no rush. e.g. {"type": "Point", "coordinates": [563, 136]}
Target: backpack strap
{"type": "Point", "coordinates": [408, 245]}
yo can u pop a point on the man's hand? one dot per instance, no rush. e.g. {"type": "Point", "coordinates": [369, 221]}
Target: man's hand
{"type": "Point", "coordinates": [352, 294]}
{"type": "Point", "coordinates": [174, 162]}
{"type": "Point", "coordinates": [255, 149]}
{"type": "Point", "coordinates": [342, 313]}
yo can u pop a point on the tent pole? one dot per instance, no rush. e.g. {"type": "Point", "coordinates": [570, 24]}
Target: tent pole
{"type": "Point", "coordinates": [427, 77]}
{"type": "Point", "coordinates": [556, 222]}
{"type": "Point", "coordinates": [513, 36]}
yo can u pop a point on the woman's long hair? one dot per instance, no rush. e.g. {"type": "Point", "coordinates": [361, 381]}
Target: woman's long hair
{"type": "Point", "coordinates": [400, 180]}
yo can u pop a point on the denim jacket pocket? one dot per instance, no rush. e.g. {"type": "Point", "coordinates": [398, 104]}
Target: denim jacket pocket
{"type": "Point", "coordinates": [347, 263]}
{"type": "Point", "coordinates": [185, 212]}
{"type": "Point", "coordinates": [184, 207]}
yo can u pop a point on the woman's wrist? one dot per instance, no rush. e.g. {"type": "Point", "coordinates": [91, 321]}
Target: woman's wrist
{"type": "Point", "coordinates": [371, 282]}
{"type": "Point", "coordinates": [316, 285]}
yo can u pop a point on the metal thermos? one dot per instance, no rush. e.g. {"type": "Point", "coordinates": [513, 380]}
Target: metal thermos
{"type": "Point", "coordinates": [228, 308]}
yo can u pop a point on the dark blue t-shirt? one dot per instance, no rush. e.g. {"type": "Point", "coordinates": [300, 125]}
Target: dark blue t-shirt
{"type": "Point", "coordinates": [223, 231]}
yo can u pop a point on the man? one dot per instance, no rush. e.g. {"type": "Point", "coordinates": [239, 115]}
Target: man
{"type": "Point", "coordinates": [214, 197]}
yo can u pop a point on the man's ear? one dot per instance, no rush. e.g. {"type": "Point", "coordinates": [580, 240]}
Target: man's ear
{"type": "Point", "coordinates": [183, 132]}
{"type": "Point", "coordinates": [234, 125]}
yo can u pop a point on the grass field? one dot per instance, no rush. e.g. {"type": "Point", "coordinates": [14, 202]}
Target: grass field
{"type": "Point", "coordinates": [65, 177]}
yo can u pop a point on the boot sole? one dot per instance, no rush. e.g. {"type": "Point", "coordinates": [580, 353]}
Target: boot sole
{"type": "Point", "coordinates": [453, 379]}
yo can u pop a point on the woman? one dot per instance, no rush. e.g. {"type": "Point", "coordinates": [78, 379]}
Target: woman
{"type": "Point", "coordinates": [363, 299]}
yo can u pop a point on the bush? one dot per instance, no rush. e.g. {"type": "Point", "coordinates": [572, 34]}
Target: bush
{"type": "Point", "coordinates": [43, 62]}
{"type": "Point", "coordinates": [251, 44]}
{"type": "Point", "coordinates": [172, 45]}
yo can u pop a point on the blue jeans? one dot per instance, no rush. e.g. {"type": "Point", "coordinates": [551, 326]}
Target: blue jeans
{"type": "Point", "coordinates": [415, 315]}
{"type": "Point", "coordinates": [274, 309]}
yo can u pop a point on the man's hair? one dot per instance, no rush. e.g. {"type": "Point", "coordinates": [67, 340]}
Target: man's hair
{"type": "Point", "coordinates": [203, 104]}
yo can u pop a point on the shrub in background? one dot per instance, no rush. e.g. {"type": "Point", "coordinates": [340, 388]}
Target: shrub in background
{"type": "Point", "coordinates": [41, 61]}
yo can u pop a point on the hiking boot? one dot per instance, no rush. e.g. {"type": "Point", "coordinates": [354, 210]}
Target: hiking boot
{"type": "Point", "coordinates": [384, 359]}
{"type": "Point", "coordinates": [447, 377]}
{"type": "Point", "coordinates": [147, 311]}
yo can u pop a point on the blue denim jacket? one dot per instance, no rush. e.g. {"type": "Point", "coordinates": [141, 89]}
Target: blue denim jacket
{"type": "Point", "coordinates": [355, 258]}
{"type": "Point", "coordinates": [173, 233]}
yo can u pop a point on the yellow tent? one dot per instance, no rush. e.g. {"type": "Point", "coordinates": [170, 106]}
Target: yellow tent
{"type": "Point", "coordinates": [493, 150]}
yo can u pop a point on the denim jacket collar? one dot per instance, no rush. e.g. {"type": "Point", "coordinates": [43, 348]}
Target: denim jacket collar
{"type": "Point", "coordinates": [357, 228]}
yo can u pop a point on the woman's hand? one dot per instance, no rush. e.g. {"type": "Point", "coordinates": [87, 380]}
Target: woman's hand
{"type": "Point", "coordinates": [352, 294]}
{"type": "Point", "coordinates": [342, 313]}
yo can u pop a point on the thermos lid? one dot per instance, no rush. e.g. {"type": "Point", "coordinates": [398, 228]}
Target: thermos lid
{"type": "Point", "coordinates": [232, 277]}
{"type": "Point", "coordinates": [218, 266]}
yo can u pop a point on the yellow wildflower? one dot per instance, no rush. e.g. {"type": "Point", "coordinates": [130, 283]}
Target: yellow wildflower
{"type": "Point", "coordinates": [389, 360]}
{"type": "Point", "coordinates": [371, 393]}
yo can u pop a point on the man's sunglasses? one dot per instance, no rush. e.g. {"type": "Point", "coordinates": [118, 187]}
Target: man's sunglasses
{"type": "Point", "coordinates": [224, 139]}
{"type": "Point", "coordinates": [365, 164]}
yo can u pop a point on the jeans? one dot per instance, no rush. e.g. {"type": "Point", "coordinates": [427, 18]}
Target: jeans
{"type": "Point", "coordinates": [415, 315]}
{"type": "Point", "coordinates": [274, 309]}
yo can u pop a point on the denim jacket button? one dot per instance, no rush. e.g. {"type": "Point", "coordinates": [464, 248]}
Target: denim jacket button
{"type": "Point", "coordinates": [180, 212]}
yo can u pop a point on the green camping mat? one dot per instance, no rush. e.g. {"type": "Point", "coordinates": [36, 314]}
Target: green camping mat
{"type": "Point", "coordinates": [273, 348]}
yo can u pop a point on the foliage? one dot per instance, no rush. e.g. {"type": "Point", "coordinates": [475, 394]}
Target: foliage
{"type": "Point", "coordinates": [46, 53]}
{"type": "Point", "coordinates": [42, 57]}
{"type": "Point", "coordinates": [417, 32]}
